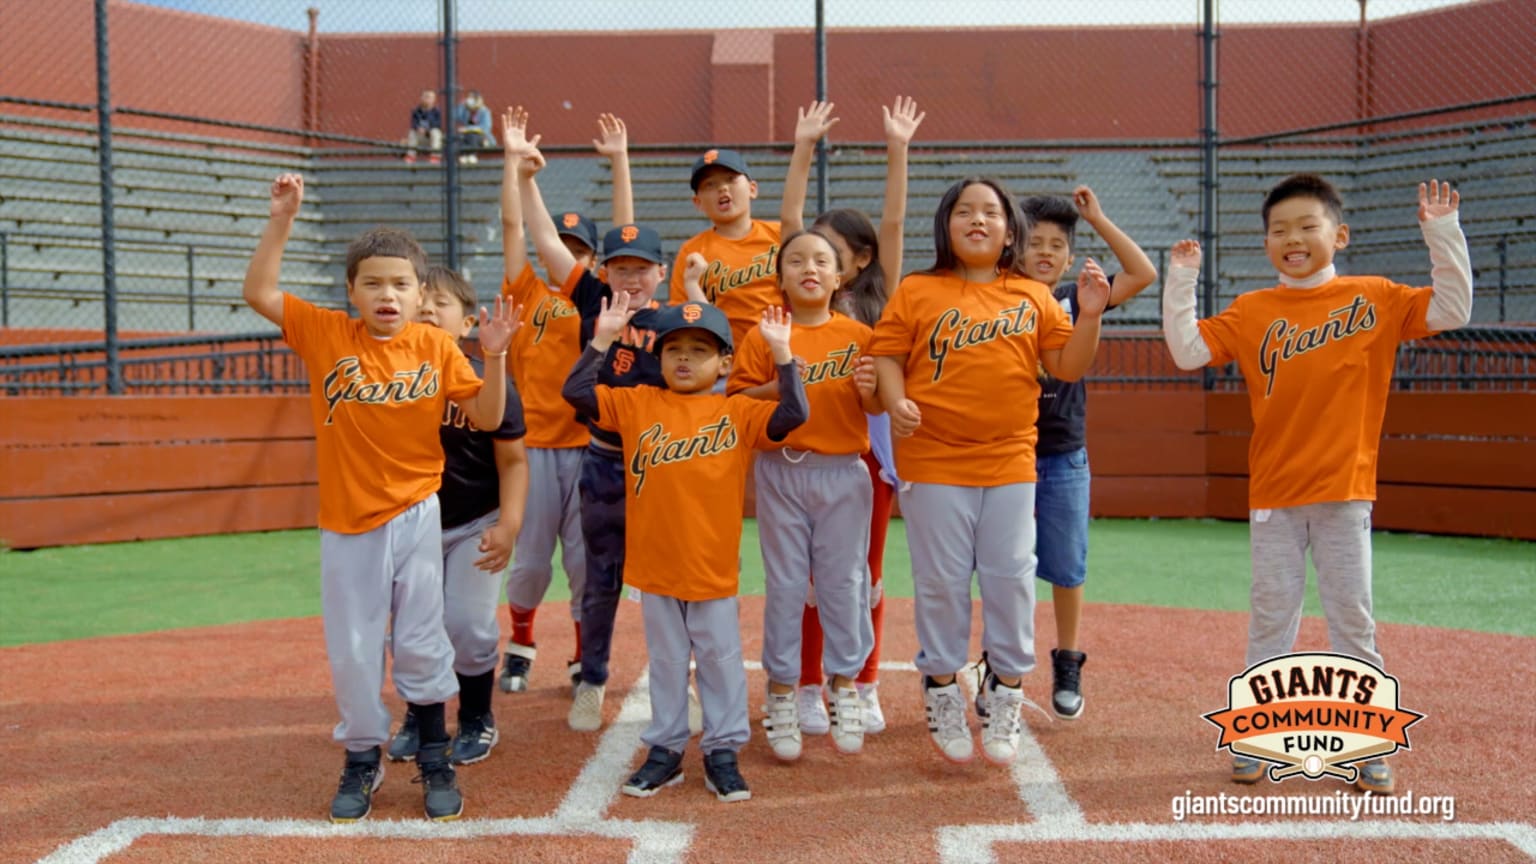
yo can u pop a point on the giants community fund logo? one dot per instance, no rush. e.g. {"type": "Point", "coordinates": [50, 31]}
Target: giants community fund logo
{"type": "Point", "coordinates": [1313, 715]}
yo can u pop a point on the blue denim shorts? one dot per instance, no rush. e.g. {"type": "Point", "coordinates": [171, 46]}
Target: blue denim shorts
{"type": "Point", "coordinates": [1061, 517]}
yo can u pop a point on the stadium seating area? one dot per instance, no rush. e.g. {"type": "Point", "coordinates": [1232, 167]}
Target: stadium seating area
{"type": "Point", "coordinates": [187, 212]}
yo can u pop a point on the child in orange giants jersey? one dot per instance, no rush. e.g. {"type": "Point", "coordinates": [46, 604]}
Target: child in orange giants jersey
{"type": "Point", "coordinates": [686, 452]}
{"type": "Point", "coordinates": [378, 387]}
{"type": "Point", "coordinates": [814, 495]}
{"type": "Point", "coordinates": [485, 485]}
{"type": "Point", "coordinates": [867, 261]}
{"type": "Point", "coordinates": [1317, 352]}
{"type": "Point", "coordinates": [951, 340]}
{"type": "Point", "coordinates": [541, 356]}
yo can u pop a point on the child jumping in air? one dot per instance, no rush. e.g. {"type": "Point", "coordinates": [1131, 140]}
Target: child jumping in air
{"type": "Point", "coordinates": [957, 353]}
{"type": "Point", "coordinates": [1317, 352]}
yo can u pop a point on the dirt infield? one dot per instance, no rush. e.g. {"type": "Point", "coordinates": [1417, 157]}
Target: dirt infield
{"type": "Point", "coordinates": [214, 744]}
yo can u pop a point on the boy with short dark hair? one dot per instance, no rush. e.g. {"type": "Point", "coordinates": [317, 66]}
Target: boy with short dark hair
{"type": "Point", "coordinates": [1061, 453]}
{"type": "Point", "coordinates": [485, 486]}
{"type": "Point", "coordinates": [1317, 352]}
{"type": "Point", "coordinates": [379, 385]}
{"type": "Point", "coordinates": [686, 454]}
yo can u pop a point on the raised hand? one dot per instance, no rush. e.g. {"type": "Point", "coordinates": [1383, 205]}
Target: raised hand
{"type": "Point", "coordinates": [1185, 253]}
{"type": "Point", "coordinates": [1092, 288]}
{"type": "Point", "coordinates": [775, 329]}
{"type": "Point", "coordinates": [694, 268]}
{"type": "Point", "coordinates": [813, 121]}
{"type": "Point", "coordinates": [902, 119]}
{"type": "Point", "coordinates": [611, 320]}
{"type": "Point", "coordinates": [1087, 204]}
{"type": "Point", "coordinates": [1437, 199]}
{"type": "Point", "coordinates": [287, 195]}
{"type": "Point", "coordinates": [864, 376]}
{"type": "Point", "coordinates": [905, 418]}
{"type": "Point", "coordinates": [498, 326]}
{"type": "Point", "coordinates": [515, 142]}
{"type": "Point", "coordinates": [613, 138]}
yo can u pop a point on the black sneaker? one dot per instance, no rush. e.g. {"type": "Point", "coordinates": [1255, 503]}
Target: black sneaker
{"type": "Point", "coordinates": [1066, 686]}
{"type": "Point", "coordinates": [361, 775]}
{"type": "Point", "coordinates": [475, 739]}
{"type": "Point", "coordinates": [662, 768]}
{"type": "Point", "coordinates": [406, 741]}
{"type": "Point", "coordinates": [722, 777]}
{"type": "Point", "coordinates": [440, 787]}
{"type": "Point", "coordinates": [516, 665]}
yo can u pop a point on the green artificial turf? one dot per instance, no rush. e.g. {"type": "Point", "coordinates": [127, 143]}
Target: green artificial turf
{"type": "Point", "coordinates": [83, 591]}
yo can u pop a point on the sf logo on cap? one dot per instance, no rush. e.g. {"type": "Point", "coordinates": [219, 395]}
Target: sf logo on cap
{"type": "Point", "coordinates": [570, 220]}
{"type": "Point", "coordinates": [710, 156]}
{"type": "Point", "coordinates": [628, 233]}
{"type": "Point", "coordinates": [693, 312]}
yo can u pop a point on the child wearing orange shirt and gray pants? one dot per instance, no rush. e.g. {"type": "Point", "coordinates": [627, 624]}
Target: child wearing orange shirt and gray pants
{"type": "Point", "coordinates": [1317, 352]}
{"type": "Point", "coordinates": [686, 454]}
{"type": "Point", "coordinates": [379, 385]}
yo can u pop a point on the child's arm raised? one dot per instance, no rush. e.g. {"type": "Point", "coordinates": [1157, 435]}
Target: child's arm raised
{"type": "Point", "coordinates": [1136, 270]}
{"type": "Point", "coordinates": [1181, 329]}
{"type": "Point", "coordinates": [514, 241]}
{"type": "Point", "coordinates": [580, 388]}
{"type": "Point", "coordinates": [1450, 274]}
{"type": "Point", "coordinates": [497, 541]}
{"type": "Point", "coordinates": [613, 142]}
{"type": "Point", "coordinates": [261, 275]}
{"type": "Point", "coordinates": [901, 121]}
{"type": "Point", "coordinates": [485, 408]}
{"type": "Point", "coordinates": [810, 124]}
{"type": "Point", "coordinates": [1071, 361]}
{"type": "Point", "coordinates": [694, 268]}
{"type": "Point", "coordinates": [793, 409]}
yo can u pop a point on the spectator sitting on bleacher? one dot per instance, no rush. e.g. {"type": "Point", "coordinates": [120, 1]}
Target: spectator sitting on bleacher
{"type": "Point", "coordinates": [473, 120]}
{"type": "Point", "coordinates": [426, 124]}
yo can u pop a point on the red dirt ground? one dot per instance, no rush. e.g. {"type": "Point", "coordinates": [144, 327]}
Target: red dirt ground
{"type": "Point", "coordinates": [234, 723]}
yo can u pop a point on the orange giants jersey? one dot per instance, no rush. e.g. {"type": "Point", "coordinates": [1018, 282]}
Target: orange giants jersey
{"type": "Point", "coordinates": [377, 405]}
{"type": "Point", "coordinates": [685, 475]}
{"type": "Point", "coordinates": [1318, 363]}
{"type": "Point", "coordinates": [741, 278]}
{"type": "Point", "coordinates": [973, 368]}
{"type": "Point", "coordinates": [543, 352]}
{"type": "Point", "coordinates": [837, 424]}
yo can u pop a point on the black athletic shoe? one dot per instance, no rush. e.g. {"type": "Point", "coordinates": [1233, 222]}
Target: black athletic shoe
{"type": "Point", "coordinates": [1066, 686]}
{"type": "Point", "coordinates": [722, 777]}
{"type": "Point", "coordinates": [516, 665]}
{"type": "Point", "coordinates": [662, 768]}
{"type": "Point", "coordinates": [361, 775]}
{"type": "Point", "coordinates": [475, 739]}
{"type": "Point", "coordinates": [406, 741]}
{"type": "Point", "coordinates": [440, 787]}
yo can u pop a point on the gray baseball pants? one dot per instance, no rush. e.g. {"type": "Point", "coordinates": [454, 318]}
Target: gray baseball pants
{"type": "Point", "coordinates": [710, 631]}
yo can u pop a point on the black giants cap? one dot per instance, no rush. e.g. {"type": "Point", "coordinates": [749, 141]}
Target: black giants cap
{"type": "Point", "coordinates": [728, 159]}
{"type": "Point", "coordinates": [577, 226]}
{"type": "Point", "coordinates": [632, 241]}
{"type": "Point", "coordinates": [694, 316]}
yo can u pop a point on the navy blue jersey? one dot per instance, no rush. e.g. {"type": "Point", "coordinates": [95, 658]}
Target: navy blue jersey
{"type": "Point", "coordinates": [631, 360]}
{"type": "Point", "coordinates": [1063, 422]}
{"type": "Point", "coordinates": [471, 484]}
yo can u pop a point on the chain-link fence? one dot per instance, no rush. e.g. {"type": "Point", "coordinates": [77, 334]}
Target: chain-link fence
{"type": "Point", "coordinates": [137, 139]}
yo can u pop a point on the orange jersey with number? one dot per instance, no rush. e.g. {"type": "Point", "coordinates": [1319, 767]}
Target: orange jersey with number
{"type": "Point", "coordinates": [973, 367]}
{"type": "Point", "coordinates": [377, 406]}
{"type": "Point", "coordinates": [685, 475]}
{"type": "Point", "coordinates": [741, 278]}
{"type": "Point", "coordinates": [543, 351]}
{"type": "Point", "coordinates": [1318, 363]}
{"type": "Point", "coordinates": [837, 424]}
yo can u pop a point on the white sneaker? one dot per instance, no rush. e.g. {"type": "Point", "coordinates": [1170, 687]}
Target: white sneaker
{"type": "Point", "coordinates": [947, 725]}
{"type": "Point", "coordinates": [695, 712]}
{"type": "Point", "coordinates": [874, 718]}
{"type": "Point", "coordinates": [847, 720]}
{"type": "Point", "coordinates": [1000, 724]}
{"type": "Point", "coordinates": [812, 710]}
{"type": "Point", "coordinates": [782, 726]}
{"type": "Point", "coordinates": [587, 708]}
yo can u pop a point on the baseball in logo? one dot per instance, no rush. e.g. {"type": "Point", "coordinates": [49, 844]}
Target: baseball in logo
{"type": "Point", "coordinates": [710, 156]}
{"type": "Point", "coordinates": [692, 312]}
{"type": "Point", "coordinates": [570, 220]}
{"type": "Point", "coordinates": [629, 233]}
{"type": "Point", "coordinates": [1313, 714]}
